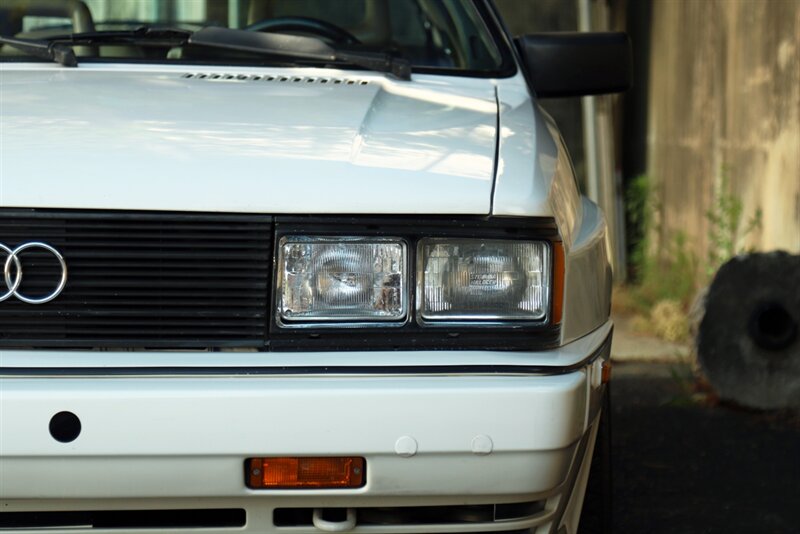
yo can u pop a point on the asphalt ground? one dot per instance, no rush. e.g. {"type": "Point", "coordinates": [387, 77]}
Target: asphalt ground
{"type": "Point", "coordinates": [685, 466]}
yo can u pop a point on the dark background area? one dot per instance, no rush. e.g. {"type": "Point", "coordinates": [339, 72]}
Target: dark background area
{"type": "Point", "coordinates": [682, 466]}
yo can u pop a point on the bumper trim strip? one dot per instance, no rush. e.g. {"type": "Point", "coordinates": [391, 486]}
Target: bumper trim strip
{"type": "Point", "coordinates": [537, 370]}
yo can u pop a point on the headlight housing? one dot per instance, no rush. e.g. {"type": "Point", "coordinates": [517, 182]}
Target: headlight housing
{"type": "Point", "coordinates": [342, 279]}
{"type": "Point", "coordinates": [483, 280]}
{"type": "Point", "coordinates": [328, 294]}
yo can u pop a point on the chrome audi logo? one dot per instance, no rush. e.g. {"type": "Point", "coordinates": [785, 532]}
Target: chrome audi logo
{"type": "Point", "coordinates": [13, 276]}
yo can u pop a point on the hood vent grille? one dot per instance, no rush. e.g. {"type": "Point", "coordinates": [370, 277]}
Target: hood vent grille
{"type": "Point", "coordinates": [272, 78]}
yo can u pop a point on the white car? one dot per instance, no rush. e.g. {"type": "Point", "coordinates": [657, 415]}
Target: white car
{"type": "Point", "coordinates": [296, 266]}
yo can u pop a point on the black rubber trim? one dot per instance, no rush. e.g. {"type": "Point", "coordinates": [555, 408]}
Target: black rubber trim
{"type": "Point", "coordinates": [445, 370]}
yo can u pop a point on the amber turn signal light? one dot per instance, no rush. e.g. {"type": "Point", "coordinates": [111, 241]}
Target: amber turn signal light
{"type": "Point", "coordinates": [606, 372]}
{"type": "Point", "coordinates": [305, 473]}
{"type": "Point", "coordinates": [558, 282]}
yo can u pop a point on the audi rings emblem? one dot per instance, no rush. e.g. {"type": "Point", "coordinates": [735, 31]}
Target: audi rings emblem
{"type": "Point", "coordinates": [13, 279]}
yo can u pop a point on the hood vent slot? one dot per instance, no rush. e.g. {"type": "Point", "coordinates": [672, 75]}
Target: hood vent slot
{"type": "Point", "coordinates": [270, 78]}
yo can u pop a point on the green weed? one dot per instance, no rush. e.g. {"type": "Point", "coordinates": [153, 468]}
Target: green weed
{"type": "Point", "coordinates": [725, 225]}
{"type": "Point", "coordinates": [666, 272]}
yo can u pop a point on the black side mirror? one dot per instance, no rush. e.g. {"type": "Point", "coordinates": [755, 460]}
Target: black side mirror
{"type": "Point", "coordinates": [576, 64]}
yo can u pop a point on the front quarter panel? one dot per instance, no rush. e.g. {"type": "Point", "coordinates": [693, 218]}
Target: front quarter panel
{"type": "Point", "coordinates": [535, 178]}
{"type": "Point", "coordinates": [587, 288]}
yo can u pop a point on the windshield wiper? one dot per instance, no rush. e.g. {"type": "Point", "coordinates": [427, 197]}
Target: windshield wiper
{"type": "Point", "coordinates": [297, 46]}
{"type": "Point", "coordinates": [52, 50]}
{"type": "Point", "coordinates": [155, 36]}
{"type": "Point", "coordinates": [59, 49]}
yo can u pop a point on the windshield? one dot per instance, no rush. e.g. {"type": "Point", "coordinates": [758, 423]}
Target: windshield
{"type": "Point", "coordinates": [430, 34]}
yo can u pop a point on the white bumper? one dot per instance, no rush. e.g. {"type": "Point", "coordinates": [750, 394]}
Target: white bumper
{"type": "Point", "coordinates": [173, 437]}
{"type": "Point", "coordinates": [180, 441]}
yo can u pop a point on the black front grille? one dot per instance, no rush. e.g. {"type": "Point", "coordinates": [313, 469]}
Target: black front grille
{"type": "Point", "coordinates": [139, 280]}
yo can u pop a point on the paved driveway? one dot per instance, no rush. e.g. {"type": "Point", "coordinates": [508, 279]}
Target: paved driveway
{"type": "Point", "coordinates": [683, 468]}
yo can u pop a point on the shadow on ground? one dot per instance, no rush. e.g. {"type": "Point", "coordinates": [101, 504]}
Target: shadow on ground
{"type": "Point", "coordinates": [682, 467]}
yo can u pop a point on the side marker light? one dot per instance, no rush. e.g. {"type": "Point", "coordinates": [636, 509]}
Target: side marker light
{"type": "Point", "coordinates": [606, 372]}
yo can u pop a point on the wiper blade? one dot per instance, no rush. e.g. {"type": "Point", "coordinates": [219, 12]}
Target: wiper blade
{"type": "Point", "coordinates": [144, 33]}
{"type": "Point", "coordinates": [59, 47]}
{"type": "Point", "coordinates": [54, 51]}
{"type": "Point", "coordinates": [296, 46]}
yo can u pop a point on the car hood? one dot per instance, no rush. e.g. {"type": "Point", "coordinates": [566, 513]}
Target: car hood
{"type": "Point", "coordinates": [321, 141]}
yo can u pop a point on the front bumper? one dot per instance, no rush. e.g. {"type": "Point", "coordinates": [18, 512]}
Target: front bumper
{"type": "Point", "coordinates": [179, 440]}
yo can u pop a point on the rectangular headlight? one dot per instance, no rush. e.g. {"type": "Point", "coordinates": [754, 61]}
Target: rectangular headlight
{"type": "Point", "coordinates": [471, 279]}
{"type": "Point", "coordinates": [341, 279]}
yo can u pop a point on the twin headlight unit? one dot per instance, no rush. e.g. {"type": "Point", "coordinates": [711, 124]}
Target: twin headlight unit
{"type": "Point", "coordinates": [361, 281]}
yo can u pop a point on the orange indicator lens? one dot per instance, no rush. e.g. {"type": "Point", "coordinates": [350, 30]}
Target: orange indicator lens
{"type": "Point", "coordinates": [305, 473]}
{"type": "Point", "coordinates": [558, 282]}
{"type": "Point", "coordinates": [606, 372]}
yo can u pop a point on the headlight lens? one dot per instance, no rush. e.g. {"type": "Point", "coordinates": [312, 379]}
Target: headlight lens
{"type": "Point", "coordinates": [469, 279]}
{"type": "Point", "coordinates": [342, 279]}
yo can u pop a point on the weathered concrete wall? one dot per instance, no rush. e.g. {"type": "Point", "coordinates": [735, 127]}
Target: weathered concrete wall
{"type": "Point", "coordinates": [725, 100]}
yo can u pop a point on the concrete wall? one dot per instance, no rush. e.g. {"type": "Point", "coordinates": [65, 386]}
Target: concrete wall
{"type": "Point", "coordinates": [724, 97]}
